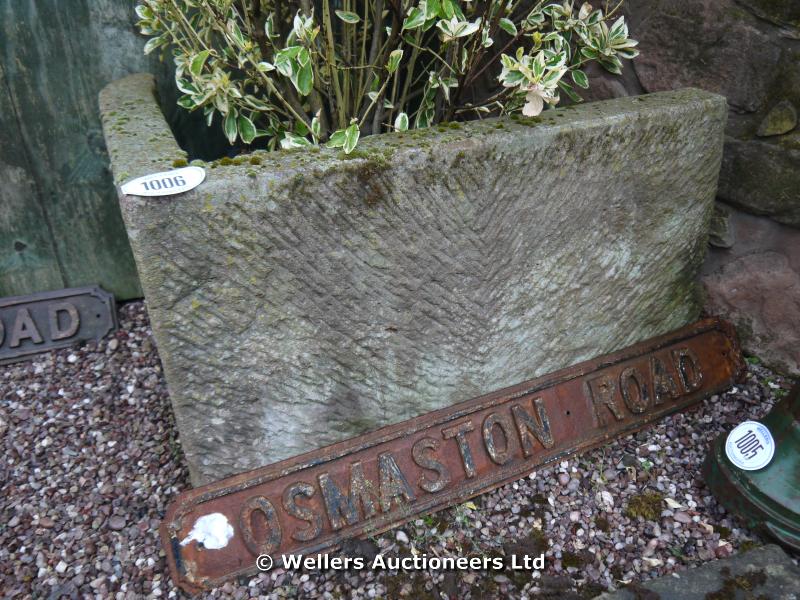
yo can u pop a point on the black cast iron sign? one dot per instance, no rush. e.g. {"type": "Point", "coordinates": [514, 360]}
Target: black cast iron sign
{"type": "Point", "coordinates": [50, 320]}
{"type": "Point", "coordinates": [358, 487]}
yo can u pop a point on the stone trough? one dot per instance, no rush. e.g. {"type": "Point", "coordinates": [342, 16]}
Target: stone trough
{"type": "Point", "coordinates": [300, 298]}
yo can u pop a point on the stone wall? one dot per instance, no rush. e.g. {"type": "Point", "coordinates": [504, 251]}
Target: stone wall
{"type": "Point", "coordinates": [756, 283]}
{"type": "Point", "coordinates": [748, 51]}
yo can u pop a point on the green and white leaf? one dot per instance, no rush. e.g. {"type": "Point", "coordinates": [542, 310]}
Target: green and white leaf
{"type": "Point", "coordinates": [508, 26]}
{"type": "Point", "coordinates": [230, 127]}
{"type": "Point", "coordinates": [454, 29]}
{"type": "Point", "coordinates": [580, 78]}
{"type": "Point", "coordinates": [292, 140]}
{"type": "Point", "coordinates": [337, 139]}
{"type": "Point", "coordinates": [394, 60]}
{"type": "Point", "coordinates": [247, 130]}
{"type": "Point", "coordinates": [154, 43]}
{"type": "Point", "coordinates": [347, 16]}
{"type": "Point", "coordinates": [416, 18]}
{"type": "Point", "coordinates": [351, 135]}
{"type": "Point", "coordinates": [303, 79]}
{"type": "Point", "coordinates": [401, 122]}
{"type": "Point", "coordinates": [198, 62]}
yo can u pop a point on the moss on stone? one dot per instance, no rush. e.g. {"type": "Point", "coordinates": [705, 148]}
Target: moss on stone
{"type": "Point", "coordinates": [179, 162]}
{"type": "Point", "coordinates": [458, 159]}
{"type": "Point", "coordinates": [370, 166]}
{"type": "Point", "coordinates": [570, 559]}
{"type": "Point", "coordinates": [747, 545]}
{"type": "Point", "coordinates": [648, 506]}
{"type": "Point", "coordinates": [745, 582]}
{"type": "Point", "coordinates": [354, 155]}
{"type": "Point", "coordinates": [530, 121]}
{"type": "Point", "coordinates": [602, 524]}
{"type": "Point", "coordinates": [298, 185]}
{"type": "Point", "coordinates": [590, 590]}
{"type": "Point", "coordinates": [539, 541]}
{"type": "Point", "coordinates": [396, 584]}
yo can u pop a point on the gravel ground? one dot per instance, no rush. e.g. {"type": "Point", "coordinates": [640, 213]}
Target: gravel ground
{"type": "Point", "coordinates": [92, 459]}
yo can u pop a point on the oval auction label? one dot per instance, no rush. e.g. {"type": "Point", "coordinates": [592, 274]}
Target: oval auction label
{"type": "Point", "coordinates": [166, 183]}
{"type": "Point", "coordinates": [750, 446]}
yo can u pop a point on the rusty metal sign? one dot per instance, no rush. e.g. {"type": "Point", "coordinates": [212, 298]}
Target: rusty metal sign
{"type": "Point", "coordinates": [50, 320]}
{"type": "Point", "coordinates": [359, 487]}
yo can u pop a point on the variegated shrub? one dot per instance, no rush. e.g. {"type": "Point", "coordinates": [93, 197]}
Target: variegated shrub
{"type": "Point", "coordinates": [305, 72]}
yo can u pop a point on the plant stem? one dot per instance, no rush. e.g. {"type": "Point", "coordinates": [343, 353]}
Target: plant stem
{"type": "Point", "coordinates": [409, 75]}
{"type": "Point", "coordinates": [331, 59]}
{"type": "Point", "coordinates": [378, 96]}
{"type": "Point", "coordinates": [363, 55]}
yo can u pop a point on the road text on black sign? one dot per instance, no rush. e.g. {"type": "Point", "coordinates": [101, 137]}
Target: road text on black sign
{"type": "Point", "coordinates": [49, 320]}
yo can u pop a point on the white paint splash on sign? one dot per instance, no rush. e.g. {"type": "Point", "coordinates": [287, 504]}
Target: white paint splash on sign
{"type": "Point", "coordinates": [212, 530]}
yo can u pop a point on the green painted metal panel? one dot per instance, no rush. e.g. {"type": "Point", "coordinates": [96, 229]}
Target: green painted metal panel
{"type": "Point", "coordinates": [768, 500]}
{"type": "Point", "coordinates": [56, 56]}
{"type": "Point", "coordinates": [28, 261]}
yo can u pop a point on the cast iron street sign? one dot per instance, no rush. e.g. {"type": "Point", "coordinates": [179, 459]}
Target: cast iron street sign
{"type": "Point", "coordinates": [49, 320]}
{"type": "Point", "coordinates": [312, 502]}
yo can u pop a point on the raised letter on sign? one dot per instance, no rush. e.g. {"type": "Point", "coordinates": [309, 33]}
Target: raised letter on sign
{"type": "Point", "coordinates": [303, 513]}
{"type": "Point", "coordinates": [431, 464]}
{"type": "Point", "coordinates": [458, 432]}
{"type": "Point", "coordinates": [527, 424]}
{"type": "Point", "coordinates": [637, 401]}
{"type": "Point", "coordinates": [362, 490]}
{"type": "Point", "coordinates": [393, 483]}
{"type": "Point", "coordinates": [340, 507]}
{"type": "Point", "coordinates": [56, 332]}
{"type": "Point", "coordinates": [688, 367]}
{"type": "Point", "coordinates": [601, 392]}
{"type": "Point", "coordinates": [498, 455]}
{"type": "Point", "coordinates": [272, 539]}
{"type": "Point", "coordinates": [664, 385]}
{"type": "Point", "coordinates": [24, 329]}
